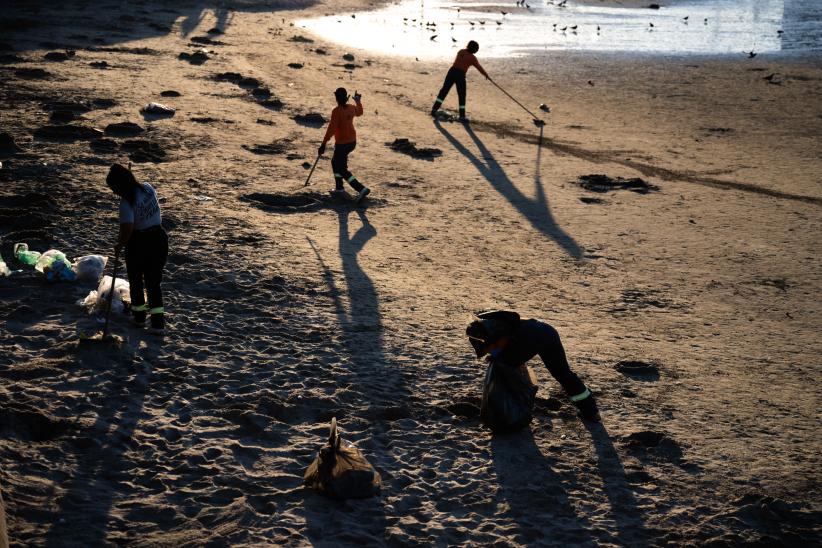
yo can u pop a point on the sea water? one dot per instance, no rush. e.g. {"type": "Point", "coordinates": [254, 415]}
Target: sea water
{"type": "Point", "coordinates": [434, 29]}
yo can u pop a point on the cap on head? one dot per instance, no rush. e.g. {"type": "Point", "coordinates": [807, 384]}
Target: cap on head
{"type": "Point", "coordinates": [473, 47]}
{"type": "Point", "coordinates": [120, 179]}
{"type": "Point", "coordinates": [341, 95]}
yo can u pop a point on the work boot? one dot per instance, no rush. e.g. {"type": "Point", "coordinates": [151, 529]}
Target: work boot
{"type": "Point", "coordinates": [158, 324]}
{"type": "Point", "coordinates": [363, 193]}
{"type": "Point", "coordinates": [588, 409]}
{"type": "Point", "coordinates": [139, 317]}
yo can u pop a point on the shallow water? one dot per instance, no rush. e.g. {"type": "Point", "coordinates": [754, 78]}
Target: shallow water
{"type": "Point", "coordinates": [436, 28]}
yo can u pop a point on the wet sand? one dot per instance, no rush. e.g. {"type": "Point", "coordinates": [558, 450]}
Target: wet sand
{"type": "Point", "coordinates": [692, 310]}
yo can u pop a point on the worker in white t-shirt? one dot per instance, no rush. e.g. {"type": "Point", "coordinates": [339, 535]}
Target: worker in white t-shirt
{"type": "Point", "coordinates": [145, 242]}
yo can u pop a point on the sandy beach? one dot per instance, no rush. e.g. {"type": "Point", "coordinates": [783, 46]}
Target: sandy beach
{"type": "Point", "coordinates": [691, 309]}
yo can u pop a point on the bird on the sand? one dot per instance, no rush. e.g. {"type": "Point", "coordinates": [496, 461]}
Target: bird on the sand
{"type": "Point", "coordinates": [685, 18]}
{"type": "Point", "coordinates": [574, 27]}
{"type": "Point", "coordinates": [433, 37]}
{"type": "Point", "coordinates": [454, 40]}
{"type": "Point", "coordinates": [563, 29]}
{"type": "Point", "coordinates": [597, 28]}
{"type": "Point", "coordinates": [751, 54]}
{"type": "Point", "coordinates": [471, 23]}
{"type": "Point", "coordinates": [504, 13]}
{"type": "Point", "coordinates": [590, 82]}
{"type": "Point", "coordinates": [482, 22]}
{"type": "Point", "coordinates": [499, 22]}
{"type": "Point", "coordinates": [651, 25]}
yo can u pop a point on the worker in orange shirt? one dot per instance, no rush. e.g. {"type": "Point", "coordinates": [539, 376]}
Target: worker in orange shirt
{"type": "Point", "coordinates": [341, 127]}
{"type": "Point", "coordinates": [456, 75]}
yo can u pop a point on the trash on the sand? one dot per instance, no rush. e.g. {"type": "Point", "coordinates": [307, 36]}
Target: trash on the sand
{"type": "Point", "coordinates": [341, 471]}
{"type": "Point", "coordinates": [4, 269]}
{"type": "Point", "coordinates": [311, 119]}
{"type": "Point", "coordinates": [95, 301]}
{"type": "Point", "coordinates": [89, 268]}
{"type": "Point", "coordinates": [22, 254]}
{"type": "Point", "coordinates": [55, 267]}
{"type": "Point", "coordinates": [124, 129]}
{"type": "Point", "coordinates": [7, 145]}
{"type": "Point", "coordinates": [69, 132]}
{"type": "Point", "coordinates": [603, 183]}
{"type": "Point", "coordinates": [544, 107]}
{"type": "Point", "coordinates": [158, 109]}
{"type": "Point", "coordinates": [410, 148]}
{"type": "Point", "coordinates": [203, 198]}
{"type": "Point", "coordinates": [508, 397]}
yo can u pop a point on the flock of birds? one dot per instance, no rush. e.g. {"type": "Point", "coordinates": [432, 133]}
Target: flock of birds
{"type": "Point", "coordinates": [431, 26]}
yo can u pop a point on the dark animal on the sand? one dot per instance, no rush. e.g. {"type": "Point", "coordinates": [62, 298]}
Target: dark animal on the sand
{"type": "Point", "coordinates": [341, 471]}
{"type": "Point", "coordinates": [751, 54]}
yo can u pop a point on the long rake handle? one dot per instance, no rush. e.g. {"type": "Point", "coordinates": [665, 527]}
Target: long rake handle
{"type": "Point", "coordinates": [310, 173]}
{"type": "Point", "coordinates": [534, 116]}
{"type": "Point", "coordinates": [111, 294]}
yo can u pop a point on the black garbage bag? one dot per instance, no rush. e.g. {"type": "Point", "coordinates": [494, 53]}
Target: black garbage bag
{"type": "Point", "coordinates": [508, 397]}
{"type": "Point", "coordinates": [341, 471]}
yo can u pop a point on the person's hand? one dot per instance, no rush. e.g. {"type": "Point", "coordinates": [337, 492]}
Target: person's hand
{"type": "Point", "coordinates": [357, 96]}
{"type": "Point", "coordinates": [321, 150]}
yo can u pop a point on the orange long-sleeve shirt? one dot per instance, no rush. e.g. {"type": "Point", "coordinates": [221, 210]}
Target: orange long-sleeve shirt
{"type": "Point", "coordinates": [341, 125]}
{"type": "Point", "coordinates": [465, 59]}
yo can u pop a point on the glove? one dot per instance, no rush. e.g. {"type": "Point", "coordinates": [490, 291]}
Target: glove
{"type": "Point", "coordinates": [321, 150]}
{"type": "Point", "coordinates": [357, 96]}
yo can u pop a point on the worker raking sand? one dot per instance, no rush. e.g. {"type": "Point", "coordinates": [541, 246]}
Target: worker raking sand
{"type": "Point", "coordinates": [341, 127]}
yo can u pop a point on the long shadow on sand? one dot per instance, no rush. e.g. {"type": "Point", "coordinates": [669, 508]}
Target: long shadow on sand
{"type": "Point", "coordinates": [532, 490]}
{"type": "Point", "coordinates": [102, 473]}
{"type": "Point", "coordinates": [624, 508]}
{"type": "Point", "coordinates": [536, 210]}
{"type": "Point", "coordinates": [379, 390]}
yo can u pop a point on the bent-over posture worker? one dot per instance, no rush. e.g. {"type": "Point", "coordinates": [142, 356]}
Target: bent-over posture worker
{"type": "Point", "coordinates": [341, 127]}
{"type": "Point", "coordinates": [512, 341]}
{"type": "Point", "coordinates": [456, 75]}
{"type": "Point", "coordinates": [145, 242]}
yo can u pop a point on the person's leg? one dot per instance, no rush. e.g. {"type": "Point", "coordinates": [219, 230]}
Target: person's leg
{"type": "Point", "coordinates": [553, 354]}
{"type": "Point", "coordinates": [347, 149]}
{"type": "Point", "coordinates": [461, 94]}
{"type": "Point", "coordinates": [337, 161]}
{"type": "Point", "coordinates": [155, 263]}
{"type": "Point", "coordinates": [446, 87]}
{"type": "Point", "coordinates": [134, 270]}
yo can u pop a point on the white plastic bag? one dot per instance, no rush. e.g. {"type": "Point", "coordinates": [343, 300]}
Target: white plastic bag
{"type": "Point", "coordinates": [96, 301]}
{"type": "Point", "coordinates": [89, 268]}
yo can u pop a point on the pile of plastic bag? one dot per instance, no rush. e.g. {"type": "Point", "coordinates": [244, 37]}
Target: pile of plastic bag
{"type": "Point", "coordinates": [95, 302]}
{"type": "Point", "coordinates": [54, 266]}
{"type": "Point", "coordinates": [341, 471]}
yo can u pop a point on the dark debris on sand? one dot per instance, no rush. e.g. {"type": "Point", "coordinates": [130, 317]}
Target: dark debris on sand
{"type": "Point", "coordinates": [603, 183]}
{"type": "Point", "coordinates": [410, 148]}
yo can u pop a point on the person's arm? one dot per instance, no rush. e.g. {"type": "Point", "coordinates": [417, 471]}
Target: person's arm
{"type": "Point", "coordinates": [358, 104]}
{"type": "Point", "coordinates": [332, 126]}
{"type": "Point", "coordinates": [479, 68]}
{"type": "Point", "coordinates": [126, 225]}
{"type": "Point", "coordinates": [126, 230]}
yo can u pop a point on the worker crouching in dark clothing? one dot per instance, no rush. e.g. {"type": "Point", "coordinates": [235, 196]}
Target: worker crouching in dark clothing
{"type": "Point", "coordinates": [512, 341]}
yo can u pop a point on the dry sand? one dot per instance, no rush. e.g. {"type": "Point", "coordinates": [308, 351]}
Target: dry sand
{"type": "Point", "coordinates": [282, 317]}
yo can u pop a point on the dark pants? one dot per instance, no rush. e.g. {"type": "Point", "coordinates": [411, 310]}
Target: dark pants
{"type": "Point", "coordinates": [146, 254]}
{"type": "Point", "coordinates": [534, 337]}
{"type": "Point", "coordinates": [339, 163]}
{"type": "Point", "coordinates": [454, 76]}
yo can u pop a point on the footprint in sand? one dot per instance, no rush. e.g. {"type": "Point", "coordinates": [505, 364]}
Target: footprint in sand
{"type": "Point", "coordinates": [638, 370]}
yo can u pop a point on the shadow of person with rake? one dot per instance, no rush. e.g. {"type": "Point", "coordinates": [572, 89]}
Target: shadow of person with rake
{"type": "Point", "coordinates": [536, 210]}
